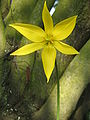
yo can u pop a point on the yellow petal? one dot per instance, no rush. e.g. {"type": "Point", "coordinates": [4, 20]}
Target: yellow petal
{"type": "Point", "coordinates": [64, 48]}
{"type": "Point", "coordinates": [47, 19]}
{"type": "Point", "coordinates": [27, 49]}
{"type": "Point", "coordinates": [31, 32]}
{"type": "Point", "coordinates": [48, 59]}
{"type": "Point", "coordinates": [63, 29]}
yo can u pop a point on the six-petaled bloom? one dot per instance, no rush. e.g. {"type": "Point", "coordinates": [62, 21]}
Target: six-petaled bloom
{"type": "Point", "coordinates": [49, 40]}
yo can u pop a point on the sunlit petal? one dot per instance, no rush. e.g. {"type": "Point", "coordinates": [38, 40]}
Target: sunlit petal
{"type": "Point", "coordinates": [31, 32]}
{"type": "Point", "coordinates": [48, 59]}
{"type": "Point", "coordinates": [47, 19]}
{"type": "Point", "coordinates": [27, 49]}
{"type": "Point", "coordinates": [64, 28]}
{"type": "Point", "coordinates": [64, 48]}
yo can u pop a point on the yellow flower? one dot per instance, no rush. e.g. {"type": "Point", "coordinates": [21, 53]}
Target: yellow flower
{"type": "Point", "coordinates": [49, 40]}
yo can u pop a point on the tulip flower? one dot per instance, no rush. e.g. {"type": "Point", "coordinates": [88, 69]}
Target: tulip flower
{"type": "Point", "coordinates": [49, 40]}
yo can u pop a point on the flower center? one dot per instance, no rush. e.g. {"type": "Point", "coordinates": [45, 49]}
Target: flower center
{"type": "Point", "coordinates": [49, 39]}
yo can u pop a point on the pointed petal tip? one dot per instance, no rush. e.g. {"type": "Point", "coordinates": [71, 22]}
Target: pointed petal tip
{"type": "Point", "coordinates": [45, 2]}
{"type": "Point", "coordinates": [75, 16]}
{"type": "Point", "coordinates": [47, 80]}
{"type": "Point", "coordinates": [14, 24]}
{"type": "Point", "coordinates": [10, 24]}
{"type": "Point", "coordinates": [47, 77]}
{"type": "Point", "coordinates": [15, 54]}
{"type": "Point", "coordinates": [76, 53]}
{"type": "Point", "coordinates": [12, 54]}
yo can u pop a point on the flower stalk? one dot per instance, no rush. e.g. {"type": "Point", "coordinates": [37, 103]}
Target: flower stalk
{"type": "Point", "coordinates": [58, 92]}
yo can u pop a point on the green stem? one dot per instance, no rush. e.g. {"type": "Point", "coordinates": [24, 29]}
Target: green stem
{"type": "Point", "coordinates": [58, 92]}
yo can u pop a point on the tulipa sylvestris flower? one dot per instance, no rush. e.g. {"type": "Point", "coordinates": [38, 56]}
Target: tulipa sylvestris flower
{"type": "Point", "coordinates": [49, 40]}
